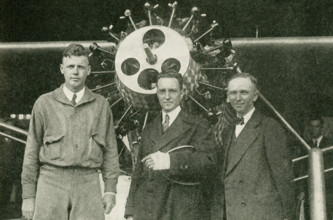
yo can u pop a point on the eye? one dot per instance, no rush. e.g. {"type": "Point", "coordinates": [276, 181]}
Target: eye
{"type": "Point", "coordinates": [173, 91]}
{"type": "Point", "coordinates": [244, 92]}
{"type": "Point", "coordinates": [81, 67]}
{"type": "Point", "coordinates": [161, 92]}
{"type": "Point", "coordinates": [232, 93]}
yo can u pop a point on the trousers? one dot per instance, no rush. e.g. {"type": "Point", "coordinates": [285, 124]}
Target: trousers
{"type": "Point", "coordinates": [68, 194]}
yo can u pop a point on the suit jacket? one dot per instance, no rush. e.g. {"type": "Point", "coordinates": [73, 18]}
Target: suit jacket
{"type": "Point", "coordinates": [154, 197]}
{"type": "Point", "coordinates": [325, 142]}
{"type": "Point", "coordinates": [257, 179]}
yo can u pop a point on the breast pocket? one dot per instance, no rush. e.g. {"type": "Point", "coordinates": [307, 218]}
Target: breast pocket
{"type": "Point", "coordinates": [52, 146]}
{"type": "Point", "coordinates": [95, 148]}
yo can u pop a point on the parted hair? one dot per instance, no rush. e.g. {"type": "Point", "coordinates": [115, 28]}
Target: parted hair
{"type": "Point", "coordinates": [75, 50]}
{"type": "Point", "coordinates": [245, 75]}
{"type": "Point", "coordinates": [170, 73]}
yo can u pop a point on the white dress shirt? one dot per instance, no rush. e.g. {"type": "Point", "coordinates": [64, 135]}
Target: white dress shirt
{"type": "Point", "coordinates": [318, 140]}
{"type": "Point", "coordinates": [172, 115]}
{"type": "Point", "coordinates": [246, 117]}
{"type": "Point", "coordinates": [69, 94]}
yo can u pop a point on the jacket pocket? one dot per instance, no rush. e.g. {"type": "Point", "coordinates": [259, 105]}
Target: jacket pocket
{"type": "Point", "coordinates": [52, 146]}
{"type": "Point", "coordinates": [95, 148]}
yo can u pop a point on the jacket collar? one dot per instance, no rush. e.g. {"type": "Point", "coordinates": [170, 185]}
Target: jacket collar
{"type": "Point", "coordinates": [245, 139]}
{"type": "Point", "coordinates": [181, 124]}
{"type": "Point", "coordinates": [59, 95]}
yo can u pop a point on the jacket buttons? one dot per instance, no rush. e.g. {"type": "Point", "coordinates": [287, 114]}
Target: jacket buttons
{"type": "Point", "coordinates": [241, 182]}
{"type": "Point", "coordinates": [186, 167]}
{"type": "Point", "coordinates": [243, 204]}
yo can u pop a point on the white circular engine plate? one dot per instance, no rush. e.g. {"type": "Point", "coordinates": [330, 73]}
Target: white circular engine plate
{"type": "Point", "coordinates": [174, 46]}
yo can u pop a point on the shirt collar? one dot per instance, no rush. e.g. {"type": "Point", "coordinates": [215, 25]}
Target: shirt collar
{"type": "Point", "coordinates": [317, 139]}
{"type": "Point", "coordinates": [248, 115]}
{"type": "Point", "coordinates": [172, 115]}
{"type": "Point", "coordinates": [69, 94]}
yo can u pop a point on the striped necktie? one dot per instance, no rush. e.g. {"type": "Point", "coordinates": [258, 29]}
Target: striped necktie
{"type": "Point", "coordinates": [166, 123]}
{"type": "Point", "coordinates": [74, 99]}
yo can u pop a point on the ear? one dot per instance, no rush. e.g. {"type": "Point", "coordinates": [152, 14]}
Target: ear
{"type": "Point", "coordinates": [256, 96]}
{"type": "Point", "coordinates": [62, 68]}
{"type": "Point", "coordinates": [226, 90]}
{"type": "Point", "coordinates": [89, 70]}
{"type": "Point", "coordinates": [181, 94]}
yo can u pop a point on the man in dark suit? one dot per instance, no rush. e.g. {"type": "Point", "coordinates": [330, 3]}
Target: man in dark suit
{"type": "Point", "coordinates": [167, 182]}
{"type": "Point", "coordinates": [256, 170]}
{"type": "Point", "coordinates": [317, 137]}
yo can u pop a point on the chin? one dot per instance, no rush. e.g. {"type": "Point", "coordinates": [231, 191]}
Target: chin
{"type": "Point", "coordinates": [168, 109]}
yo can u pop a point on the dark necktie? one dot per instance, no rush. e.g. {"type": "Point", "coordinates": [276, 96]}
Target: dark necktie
{"type": "Point", "coordinates": [166, 123]}
{"type": "Point", "coordinates": [74, 99]}
{"type": "Point", "coordinates": [239, 121]}
{"type": "Point", "coordinates": [315, 143]}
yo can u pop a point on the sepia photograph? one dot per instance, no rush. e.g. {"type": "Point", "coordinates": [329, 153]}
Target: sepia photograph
{"type": "Point", "coordinates": [166, 110]}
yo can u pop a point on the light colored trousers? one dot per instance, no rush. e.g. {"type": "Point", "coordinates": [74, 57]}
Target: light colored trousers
{"type": "Point", "coordinates": [68, 194]}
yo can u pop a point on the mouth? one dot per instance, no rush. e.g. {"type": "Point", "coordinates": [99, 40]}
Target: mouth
{"type": "Point", "coordinates": [239, 105]}
{"type": "Point", "coordinates": [75, 79]}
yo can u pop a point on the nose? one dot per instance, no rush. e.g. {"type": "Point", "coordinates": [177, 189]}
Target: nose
{"type": "Point", "coordinates": [75, 71]}
{"type": "Point", "coordinates": [167, 95]}
{"type": "Point", "coordinates": [238, 96]}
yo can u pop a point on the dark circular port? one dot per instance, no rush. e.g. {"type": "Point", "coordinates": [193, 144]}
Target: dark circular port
{"type": "Point", "coordinates": [147, 79]}
{"type": "Point", "coordinates": [154, 38]}
{"type": "Point", "coordinates": [130, 66]}
{"type": "Point", "coordinates": [171, 63]}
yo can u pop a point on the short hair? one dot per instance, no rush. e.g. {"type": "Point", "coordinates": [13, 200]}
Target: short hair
{"type": "Point", "coordinates": [171, 73]}
{"type": "Point", "coordinates": [246, 76]}
{"type": "Point", "coordinates": [317, 118]}
{"type": "Point", "coordinates": [75, 50]}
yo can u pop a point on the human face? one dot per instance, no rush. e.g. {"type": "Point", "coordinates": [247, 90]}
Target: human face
{"type": "Point", "coordinates": [169, 94]}
{"type": "Point", "coordinates": [75, 70]}
{"type": "Point", "coordinates": [316, 128]}
{"type": "Point", "coordinates": [242, 94]}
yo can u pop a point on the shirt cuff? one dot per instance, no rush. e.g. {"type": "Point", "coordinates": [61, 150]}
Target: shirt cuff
{"type": "Point", "coordinates": [28, 191]}
{"type": "Point", "coordinates": [110, 185]}
{"type": "Point", "coordinates": [110, 193]}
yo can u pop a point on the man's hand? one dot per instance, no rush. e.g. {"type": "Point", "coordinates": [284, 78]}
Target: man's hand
{"type": "Point", "coordinates": [157, 161]}
{"type": "Point", "coordinates": [109, 201]}
{"type": "Point", "coordinates": [28, 208]}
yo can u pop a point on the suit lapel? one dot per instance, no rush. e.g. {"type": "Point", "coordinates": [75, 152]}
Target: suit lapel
{"type": "Point", "coordinates": [156, 132]}
{"type": "Point", "coordinates": [245, 139]}
{"type": "Point", "coordinates": [325, 143]}
{"type": "Point", "coordinates": [322, 143]}
{"type": "Point", "coordinates": [229, 132]}
{"type": "Point", "coordinates": [177, 128]}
